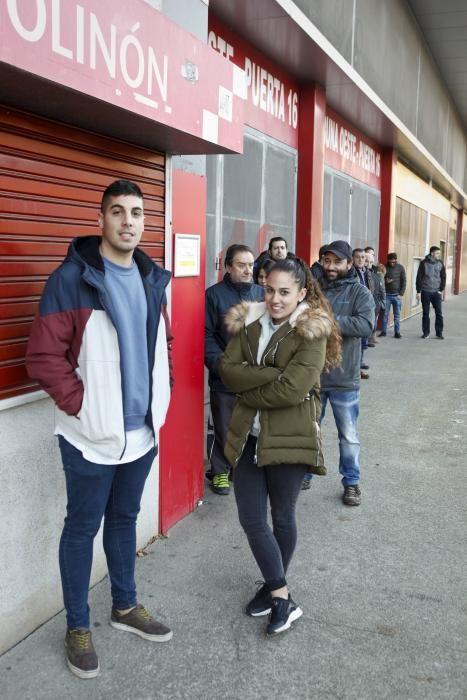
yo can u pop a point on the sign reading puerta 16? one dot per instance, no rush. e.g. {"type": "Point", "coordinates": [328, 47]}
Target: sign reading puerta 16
{"type": "Point", "coordinates": [271, 97]}
{"type": "Point", "coordinates": [350, 152]}
{"type": "Point", "coordinates": [129, 55]}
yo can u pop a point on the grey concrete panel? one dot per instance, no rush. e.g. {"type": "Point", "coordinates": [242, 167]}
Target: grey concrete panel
{"type": "Point", "coordinates": [386, 54]}
{"type": "Point", "coordinates": [455, 152]}
{"type": "Point", "coordinates": [334, 18]}
{"type": "Point", "coordinates": [433, 110]}
{"type": "Point", "coordinates": [382, 586]}
{"type": "Point", "coordinates": [192, 15]}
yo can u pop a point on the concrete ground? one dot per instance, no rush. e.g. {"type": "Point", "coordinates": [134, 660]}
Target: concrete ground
{"type": "Point", "coordinates": [383, 586]}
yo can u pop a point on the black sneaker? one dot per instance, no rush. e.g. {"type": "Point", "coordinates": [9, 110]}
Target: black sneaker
{"type": "Point", "coordinates": [397, 335]}
{"type": "Point", "coordinates": [81, 656]}
{"type": "Point", "coordinates": [352, 495]}
{"type": "Point", "coordinates": [440, 337]}
{"type": "Point", "coordinates": [382, 334]}
{"type": "Point", "coordinates": [425, 335]}
{"type": "Point", "coordinates": [220, 484]}
{"type": "Point", "coordinates": [140, 622]}
{"type": "Point", "coordinates": [261, 604]}
{"type": "Point", "coordinates": [283, 613]}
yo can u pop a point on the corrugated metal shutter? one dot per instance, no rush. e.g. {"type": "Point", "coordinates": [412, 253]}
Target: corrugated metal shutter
{"type": "Point", "coordinates": [51, 182]}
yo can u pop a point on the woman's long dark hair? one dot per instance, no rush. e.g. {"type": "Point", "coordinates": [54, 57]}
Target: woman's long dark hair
{"type": "Point", "coordinates": [316, 301]}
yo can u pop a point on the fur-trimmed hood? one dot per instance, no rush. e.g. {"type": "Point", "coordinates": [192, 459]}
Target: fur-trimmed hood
{"type": "Point", "coordinates": [309, 323]}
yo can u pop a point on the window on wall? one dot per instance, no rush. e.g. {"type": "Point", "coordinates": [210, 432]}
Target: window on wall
{"type": "Point", "coordinates": [251, 197]}
{"type": "Point", "coordinates": [350, 211]}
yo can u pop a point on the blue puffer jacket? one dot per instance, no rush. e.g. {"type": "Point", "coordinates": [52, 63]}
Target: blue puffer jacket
{"type": "Point", "coordinates": [219, 299]}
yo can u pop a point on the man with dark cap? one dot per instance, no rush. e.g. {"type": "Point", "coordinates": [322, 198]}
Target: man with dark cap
{"type": "Point", "coordinates": [394, 282]}
{"type": "Point", "coordinates": [354, 310]}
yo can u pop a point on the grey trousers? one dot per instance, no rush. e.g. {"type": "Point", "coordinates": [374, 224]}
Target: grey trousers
{"type": "Point", "coordinates": [221, 411]}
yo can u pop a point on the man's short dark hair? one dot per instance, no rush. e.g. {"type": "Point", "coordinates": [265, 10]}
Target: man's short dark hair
{"type": "Point", "coordinates": [120, 187]}
{"type": "Point", "coordinates": [392, 256]}
{"type": "Point", "coordinates": [357, 250]}
{"type": "Point", "coordinates": [434, 248]}
{"type": "Point", "coordinates": [368, 248]}
{"type": "Point", "coordinates": [232, 251]}
{"type": "Point", "coordinates": [276, 239]}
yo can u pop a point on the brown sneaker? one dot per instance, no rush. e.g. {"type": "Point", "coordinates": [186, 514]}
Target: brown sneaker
{"type": "Point", "coordinates": [81, 656]}
{"type": "Point", "coordinates": [140, 622]}
{"type": "Point", "coordinates": [352, 495]}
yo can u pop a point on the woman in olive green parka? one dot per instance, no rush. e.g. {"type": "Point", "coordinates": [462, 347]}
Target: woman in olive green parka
{"type": "Point", "coordinates": [273, 363]}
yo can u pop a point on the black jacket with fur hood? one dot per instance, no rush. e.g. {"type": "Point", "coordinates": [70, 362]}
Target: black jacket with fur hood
{"type": "Point", "coordinates": [283, 386]}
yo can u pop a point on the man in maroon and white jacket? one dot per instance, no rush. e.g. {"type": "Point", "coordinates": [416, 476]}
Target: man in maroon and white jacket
{"type": "Point", "coordinates": [100, 346]}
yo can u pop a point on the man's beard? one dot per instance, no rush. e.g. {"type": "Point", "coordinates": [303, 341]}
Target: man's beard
{"type": "Point", "coordinates": [340, 275]}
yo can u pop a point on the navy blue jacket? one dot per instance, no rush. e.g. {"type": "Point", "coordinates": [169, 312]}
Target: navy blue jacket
{"type": "Point", "coordinates": [219, 298]}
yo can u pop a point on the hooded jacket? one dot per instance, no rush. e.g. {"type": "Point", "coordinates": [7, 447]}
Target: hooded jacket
{"type": "Point", "coordinates": [219, 299]}
{"type": "Point", "coordinates": [283, 387]}
{"type": "Point", "coordinates": [354, 311]}
{"type": "Point", "coordinates": [73, 350]}
{"type": "Point", "coordinates": [431, 276]}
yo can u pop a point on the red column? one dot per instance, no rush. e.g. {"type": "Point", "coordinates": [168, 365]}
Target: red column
{"type": "Point", "coordinates": [388, 204]}
{"type": "Point", "coordinates": [457, 270]}
{"type": "Point", "coordinates": [181, 440]}
{"type": "Point", "coordinates": [310, 180]}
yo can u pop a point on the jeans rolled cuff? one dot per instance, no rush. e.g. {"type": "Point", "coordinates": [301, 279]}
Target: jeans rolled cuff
{"type": "Point", "coordinates": [275, 584]}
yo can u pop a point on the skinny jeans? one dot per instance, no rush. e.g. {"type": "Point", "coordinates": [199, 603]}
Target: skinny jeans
{"type": "Point", "coordinates": [96, 491]}
{"type": "Point", "coordinates": [272, 548]}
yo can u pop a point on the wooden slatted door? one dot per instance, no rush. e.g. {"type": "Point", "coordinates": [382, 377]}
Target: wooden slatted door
{"type": "Point", "coordinates": [51, 182]}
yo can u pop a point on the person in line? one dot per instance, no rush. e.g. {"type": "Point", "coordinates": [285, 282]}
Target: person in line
{"type": "Point", "coordinates": [260, 274]}
{"type": "Point", "coordinates": [277, 250]}
{"type": "Point", "coordinates": [379, 294]}
{"type": "Point", "coordinates": [353, 308]}
{"type": "Point", "coordinates": [237, 286]}
{"type": "Point", "coordinates": [366, 279]}
{"type": "Point", "coordinates": [100, 347]}
{"type": "Point", "coordinates": [273, 363]}
{"type": "Point", "coordinates": [317, 268]}
{"type": "Point", "coordinates": [395, 282]}
{"type": "Point", "coordinates": [430, 284]}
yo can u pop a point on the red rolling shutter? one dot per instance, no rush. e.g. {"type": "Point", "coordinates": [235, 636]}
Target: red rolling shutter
{"type": "Point", "coordinates": [51, 181]}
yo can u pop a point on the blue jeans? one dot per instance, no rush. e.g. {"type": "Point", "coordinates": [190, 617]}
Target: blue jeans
{"type": "Point", "coordinates": [393, 300]}
{"type": "Point", "coordinates": [345, 407]}
{"type": "Point", "coordinates": [95, 491]}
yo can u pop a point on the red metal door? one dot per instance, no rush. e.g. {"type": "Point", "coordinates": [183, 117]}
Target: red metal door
{"type": "Point", "coordinates": [51, 180]}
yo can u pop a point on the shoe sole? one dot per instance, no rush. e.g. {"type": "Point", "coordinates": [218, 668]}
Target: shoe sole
{"type": "Point", "coordinates": [144, 635]}
{"type": "Point", "coordinates": [79, 673]}
{"type": "Point", "coordinates": [295, 615]}
{"type": "Point", "coordinates": [258, 614]}
{"type": "Point", "coordinates": [351, 503]}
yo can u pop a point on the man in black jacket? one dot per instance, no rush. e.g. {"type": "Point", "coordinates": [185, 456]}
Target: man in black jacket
{"type": "Point", "coordinates": [395, 283]}
{"type": "Point", "coordinates": [237, 286]}
{"type": "Point", "coordinates": [430, 283]}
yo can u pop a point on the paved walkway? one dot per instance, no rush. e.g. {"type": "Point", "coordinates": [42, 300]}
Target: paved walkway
{"type": "Point", "coordinates": [383, 586]}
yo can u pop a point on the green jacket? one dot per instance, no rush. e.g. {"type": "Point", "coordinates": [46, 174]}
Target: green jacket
{"type": "Point", "coordinates": [283, 387]}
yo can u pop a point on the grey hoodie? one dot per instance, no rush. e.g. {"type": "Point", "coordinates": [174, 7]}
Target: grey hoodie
{"type": "Point", "coordinates": [354, 310]}
{"type": "Point", "coordinates": [431, 276]}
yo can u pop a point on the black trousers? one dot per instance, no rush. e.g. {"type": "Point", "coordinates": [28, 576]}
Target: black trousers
{"type": "Point", "coordinates": [433, 298]}
{"type": "Point", "coordinates": [281, 483]}
{"type": "Point", "coordinates": [222, 405]}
